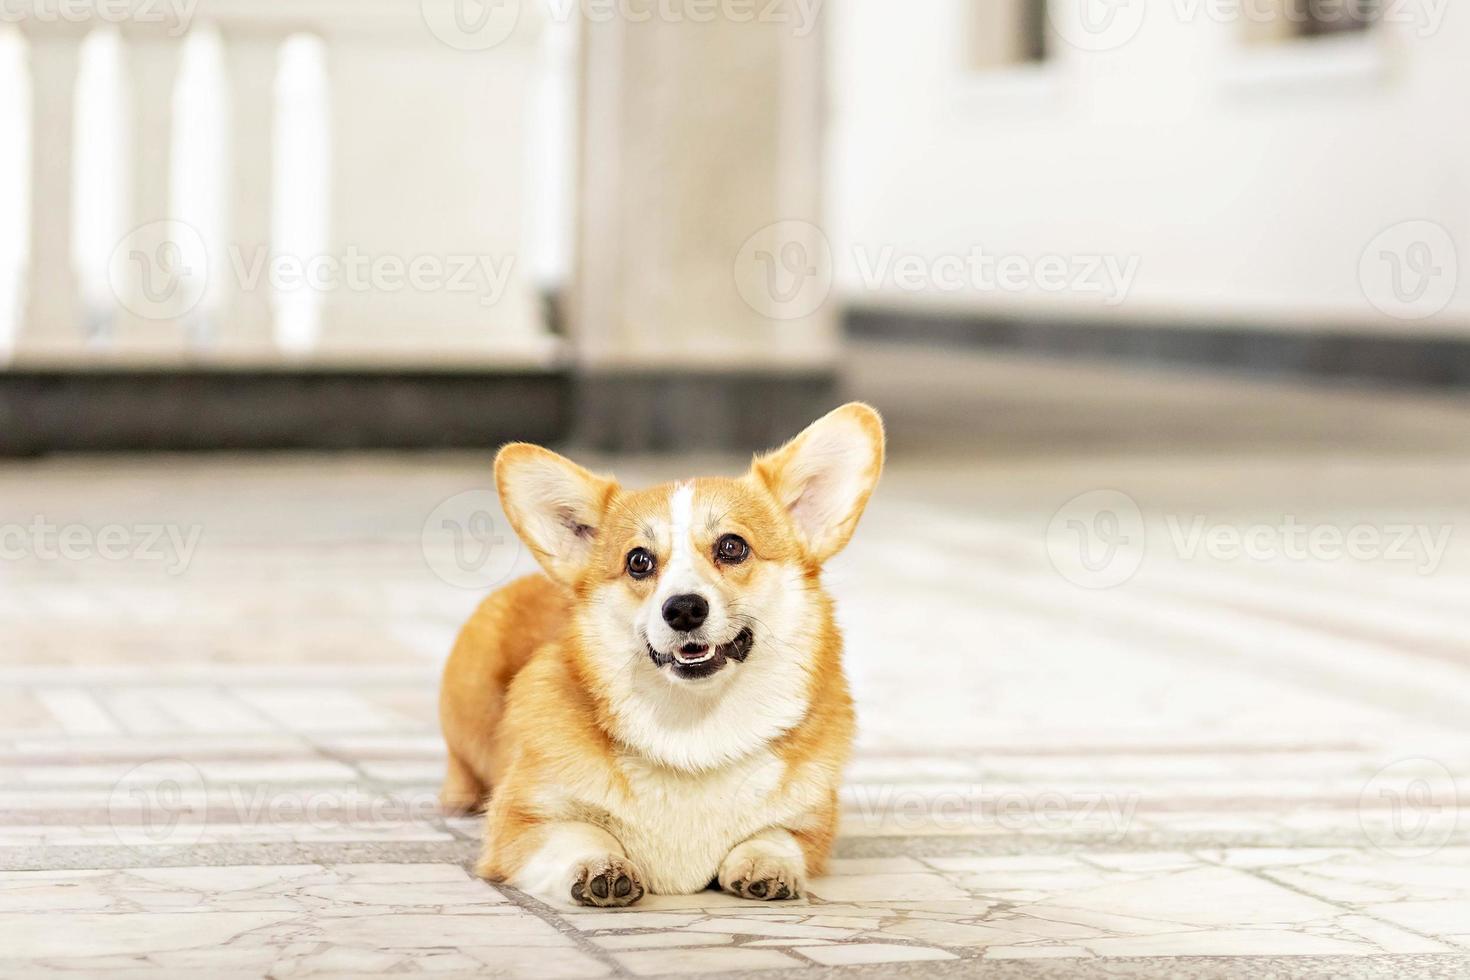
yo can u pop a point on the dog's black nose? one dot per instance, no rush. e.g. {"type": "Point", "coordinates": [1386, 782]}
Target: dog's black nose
{"type": "Point", "coordinates": [685, 612]}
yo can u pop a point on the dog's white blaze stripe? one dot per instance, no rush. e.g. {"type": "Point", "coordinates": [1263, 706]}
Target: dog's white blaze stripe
{"type": "Point", "coordinates": [680, 577]}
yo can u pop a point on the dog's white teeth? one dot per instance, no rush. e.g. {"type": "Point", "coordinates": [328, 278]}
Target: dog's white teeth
{"type": "Point", "coordinates": [694, 658]}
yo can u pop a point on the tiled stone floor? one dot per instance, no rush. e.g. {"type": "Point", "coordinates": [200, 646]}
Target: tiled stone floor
{"type": "Point", "coordinates": [220, 761]}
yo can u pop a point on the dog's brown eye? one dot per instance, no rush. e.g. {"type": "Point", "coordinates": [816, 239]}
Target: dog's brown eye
{"type": "Point", "coordinates": [731, 549]}
{"type": "Point", "coordinates": [641, 563]}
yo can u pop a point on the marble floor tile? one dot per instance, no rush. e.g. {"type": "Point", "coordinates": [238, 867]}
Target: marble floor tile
{"type": "Point", "coordinates": [654, 962]}
{"type": "Point", "coordinates": [661, 940]}
{"type": "Point", "coordinates": [854, 953]}
{"type": "Point", "coordinates": [232, 772]}
{"type": "Point", "coordinates": [1228, 942]}
{"type": "Point", "coordinates": [891, 887]}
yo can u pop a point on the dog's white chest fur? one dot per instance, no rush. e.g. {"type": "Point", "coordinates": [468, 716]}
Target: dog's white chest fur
{"type": "Point", "coordinates": [678, 826]}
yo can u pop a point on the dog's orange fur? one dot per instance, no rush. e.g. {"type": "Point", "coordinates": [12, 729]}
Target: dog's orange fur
{"type": "Point", "coordinates": [526, 706]}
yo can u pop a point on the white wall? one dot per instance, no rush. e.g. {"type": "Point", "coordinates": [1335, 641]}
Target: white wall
{"type": "Point", "coordinates": [1247, 181]}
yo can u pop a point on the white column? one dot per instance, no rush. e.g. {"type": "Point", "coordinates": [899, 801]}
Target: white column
{"type": "Point", "coordinates": [52, 319]}
{"type": "Point", "coordinates": [428, 230]}
{"type": "Point", "coordinates": [701, 239]}
{"type": "Point", "coordinates": [156, 269]}
{"type": "Point", "coordinates": [247, 328]}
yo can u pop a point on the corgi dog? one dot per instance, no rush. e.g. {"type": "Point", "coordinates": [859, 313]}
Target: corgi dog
{"type": "Point", "coordinates": [665, 707]}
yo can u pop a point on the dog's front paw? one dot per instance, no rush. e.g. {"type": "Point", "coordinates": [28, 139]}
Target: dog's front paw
{"type": "Point", "coordinates": [607, 883]}
{"type": "Point", "coordinates": [760, 873]}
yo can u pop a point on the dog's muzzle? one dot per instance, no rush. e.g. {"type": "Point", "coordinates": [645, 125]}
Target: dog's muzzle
{"type": "Point", "coordinates": [695, 660]}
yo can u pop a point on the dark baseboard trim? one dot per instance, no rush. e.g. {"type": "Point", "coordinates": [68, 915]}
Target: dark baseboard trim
{"type": "Point", "coordinates": [662, 411]}
{"type": "Point", "coordinates": [45, 411]}
{"type": "Point", "coordinates": [212, 409]}
{"type": "Point", "coordinates": [1437, 362]}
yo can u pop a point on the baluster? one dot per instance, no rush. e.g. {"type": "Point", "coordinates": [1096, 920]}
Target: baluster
{"type": "Point", "coordinates": [157, 269]}
{"type": "Point", "coordinates": [52, 319]}
{"type": "Point", "coordinates": [248, 327]}
{"type": "Point", "coordinates": [429, 177]}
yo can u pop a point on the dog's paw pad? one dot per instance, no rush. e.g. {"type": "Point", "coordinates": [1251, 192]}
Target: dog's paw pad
{"type": "Point", "coordinates": [608, 883]}
{"type": "Point", "coordinates": [763, 879]}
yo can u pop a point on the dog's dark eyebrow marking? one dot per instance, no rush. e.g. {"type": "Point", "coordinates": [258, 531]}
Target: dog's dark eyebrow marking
{"type": "Point", "coordinates": [714, 523]}
{"type": "Point", "coordinates": [646, 529]}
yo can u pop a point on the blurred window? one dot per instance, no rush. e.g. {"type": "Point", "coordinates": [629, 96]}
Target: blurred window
{"type": "Point", "coordinates": [1002, 33]}
{"type": "Point", "coordinates": [1285, 20]}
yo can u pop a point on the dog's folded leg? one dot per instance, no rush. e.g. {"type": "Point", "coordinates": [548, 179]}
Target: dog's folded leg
{"type": "Point", "coordinates": [766, 866]}
{"type": "Point", "coordinates": [581, 863]}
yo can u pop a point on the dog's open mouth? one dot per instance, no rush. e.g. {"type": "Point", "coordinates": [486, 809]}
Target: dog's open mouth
{"type": "Point", "coordinates": [695, 660]}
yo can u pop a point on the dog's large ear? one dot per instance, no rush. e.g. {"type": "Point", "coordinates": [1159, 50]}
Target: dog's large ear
{"type": "Point", "coordinates": [555, 506]}
{"type": "Point", "coordinates": [823, 477]}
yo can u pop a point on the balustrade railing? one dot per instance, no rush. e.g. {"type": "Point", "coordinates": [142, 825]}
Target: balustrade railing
{"type": "Point", "coordinates": [428, 188]}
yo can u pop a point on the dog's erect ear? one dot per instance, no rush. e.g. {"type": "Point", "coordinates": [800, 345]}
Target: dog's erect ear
{"type": "Point", "coordinates": [555, 506]}
{"type": "Point", "coordinates": [823, 477]}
